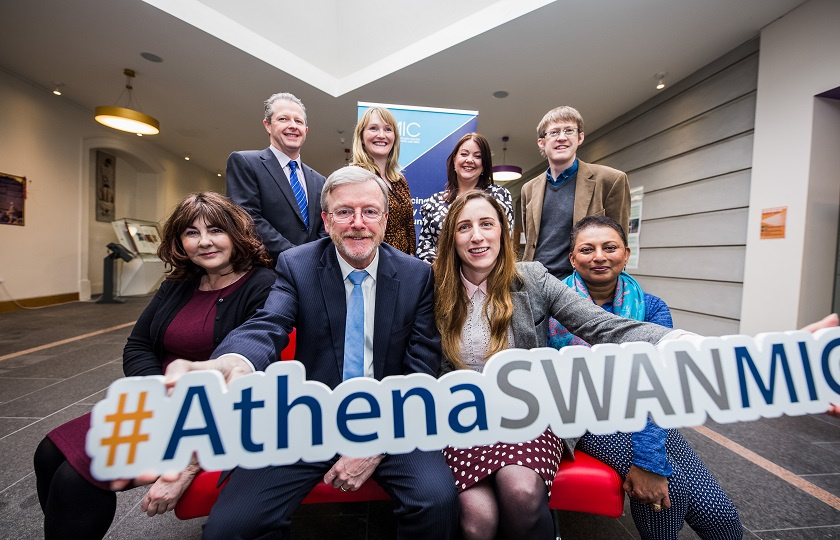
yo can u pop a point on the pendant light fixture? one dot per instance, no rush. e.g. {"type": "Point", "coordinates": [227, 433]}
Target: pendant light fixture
{"type": "Point", "coordinates": [126, 118]}
{"type": "Point", "coordinates": [505, 172]}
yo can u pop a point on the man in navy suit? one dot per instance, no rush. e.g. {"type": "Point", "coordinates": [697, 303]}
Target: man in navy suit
{"type": "Point", "coordinates": [314, 294]}
{"type": "Point", "coordinates": [280, 192]}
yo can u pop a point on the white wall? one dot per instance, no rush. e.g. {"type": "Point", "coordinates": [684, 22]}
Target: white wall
{"type": "Point", "coordinates": [50, 141]}
{"type": "Point", "coordinates": [789, 281]}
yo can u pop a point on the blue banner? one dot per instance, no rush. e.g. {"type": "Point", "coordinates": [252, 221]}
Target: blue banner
{"type": "Point", "coordinates": [427, 136]}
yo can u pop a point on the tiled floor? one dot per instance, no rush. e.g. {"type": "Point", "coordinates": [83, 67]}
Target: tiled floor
{"type": "Point", "coordinates": [43, 388]}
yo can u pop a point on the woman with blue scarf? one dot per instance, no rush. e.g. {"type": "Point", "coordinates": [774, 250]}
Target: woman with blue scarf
{"type": "Point", "coordinates": [666, 481]}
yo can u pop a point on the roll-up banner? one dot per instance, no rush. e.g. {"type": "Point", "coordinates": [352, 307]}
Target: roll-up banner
{"type": "Point", "coordinates": [427, 136]}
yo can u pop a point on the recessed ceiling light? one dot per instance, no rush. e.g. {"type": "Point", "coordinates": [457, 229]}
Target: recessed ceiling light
{"type": "Point", "coordinates": [501, 94]}
{"type": "Point", "coordinates": [151, 57]}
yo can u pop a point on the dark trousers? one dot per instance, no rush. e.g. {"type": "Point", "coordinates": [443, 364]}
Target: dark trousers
{"type": "Point", "coordinates": [259, 503]}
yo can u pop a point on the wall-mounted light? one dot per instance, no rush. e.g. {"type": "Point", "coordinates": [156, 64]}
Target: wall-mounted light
{"type": "Point", "coordinates": [660, 80]}
{"type": "Point", "coordinates": [126, 118]}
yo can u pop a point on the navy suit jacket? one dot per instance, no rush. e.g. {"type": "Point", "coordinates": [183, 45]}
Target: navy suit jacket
{"type": "Point", "coordinates": [309, 295]}
{"type": "Point", "coordinates": [256, 181]}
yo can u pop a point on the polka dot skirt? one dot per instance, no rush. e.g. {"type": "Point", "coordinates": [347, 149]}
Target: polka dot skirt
{"type": "Point", "coordinates": [472, 465]}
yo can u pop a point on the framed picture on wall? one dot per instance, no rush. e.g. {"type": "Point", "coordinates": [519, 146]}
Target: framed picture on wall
{"type": "Point", "coordinates": [106, 183]}
{"type": "Point", "coordinates": [12, 197]}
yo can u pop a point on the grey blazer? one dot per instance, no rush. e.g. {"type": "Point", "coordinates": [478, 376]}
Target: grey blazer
{"type": "Point", "coordinates": [539, 295]}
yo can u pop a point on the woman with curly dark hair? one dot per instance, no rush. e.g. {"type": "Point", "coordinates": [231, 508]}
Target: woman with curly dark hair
{"type": "Point", "coordinates": [217, 278]}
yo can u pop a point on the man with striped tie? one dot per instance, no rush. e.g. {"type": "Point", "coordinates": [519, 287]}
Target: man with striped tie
{"type": "Point", "coordinates": [280, 192]}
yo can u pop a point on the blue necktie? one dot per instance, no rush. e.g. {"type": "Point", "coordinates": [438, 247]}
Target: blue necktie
{"type": "Point", "coordinates": [354, 328]}
{"type": "Point", "coordinates": [300, 196]}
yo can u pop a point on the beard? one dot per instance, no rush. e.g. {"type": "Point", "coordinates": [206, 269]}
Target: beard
{"type": "Point", "coordinates": [358, 256]}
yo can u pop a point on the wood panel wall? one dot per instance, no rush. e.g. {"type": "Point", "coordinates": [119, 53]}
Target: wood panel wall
{"type": "Point", "coordinates": [690, 147]}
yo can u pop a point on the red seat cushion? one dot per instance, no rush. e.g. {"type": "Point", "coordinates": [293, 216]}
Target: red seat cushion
{"type": "Point", "coordinates": [325, 493]}
{"type": "Point", "coordinates": [200, 497]}
{"type": "Point", "coordinates": [587, 485]}
{"type": "Point", "coordinates": [288, 353]}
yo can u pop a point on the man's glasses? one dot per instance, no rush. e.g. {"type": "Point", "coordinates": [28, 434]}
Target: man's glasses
{"type": "Point", "coordinates": [556, 133]}
{"type": "Point", "coordinates": [346, 215]}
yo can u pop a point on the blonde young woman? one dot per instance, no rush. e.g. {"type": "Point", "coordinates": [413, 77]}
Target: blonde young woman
{"type": "Point", "coordinates": [376, 147]}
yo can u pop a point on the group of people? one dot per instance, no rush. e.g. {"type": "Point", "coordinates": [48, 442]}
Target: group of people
{"type": "Point", "coordinates": [345, 279]}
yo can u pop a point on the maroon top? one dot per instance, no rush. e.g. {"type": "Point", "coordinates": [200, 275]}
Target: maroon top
{"type": "Point", "coordinates": [190, 334]}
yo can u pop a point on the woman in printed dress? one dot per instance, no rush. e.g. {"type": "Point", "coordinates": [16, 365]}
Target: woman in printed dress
{"type": "Point", "coordinates": [469, 166]}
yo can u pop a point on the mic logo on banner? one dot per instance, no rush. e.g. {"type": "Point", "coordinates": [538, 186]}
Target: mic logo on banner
{"type": "Point", "coordinates": [278, 417]}
{"type": "Point", "coordinates": [409, 132]}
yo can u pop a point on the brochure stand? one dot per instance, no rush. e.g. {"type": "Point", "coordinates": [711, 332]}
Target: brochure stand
{"type": "Point", "coordinates": [142, 274]}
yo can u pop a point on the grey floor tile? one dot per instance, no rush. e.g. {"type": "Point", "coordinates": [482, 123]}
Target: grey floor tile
{"type": "Point", "coordinates": [833, 447]}
{"type": "Point", "coordinates": [10, 425]}
{"type": "Point", "coordinates": [26, 329]}
{"type": "Point", "coordinates": [21, 361]}
{"type": "Point", "coordinates": [70, 360]}
{"type": "Point", "coordinates": [63, 393]}
{"type": "Point", "coordinates": [810, 533]}
{"type": "Point", "coordinates": [829, 482]}
{"type": "Point", "coordinates": [781, 441]}
{"type": "Point", "coordinates": [764, 501]}
{"type": "Point", "coordinates": [130, 523]}
{"type": "Point", "coordinates": [15, 387]}
{"type": "Point", "coordinates": [20, 514]}
{"type": "Point", "coordinates": [19, 447]}
{"type": "Point", "coordinates": [578, 526]}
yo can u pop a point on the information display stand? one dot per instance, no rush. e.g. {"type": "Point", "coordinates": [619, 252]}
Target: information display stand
{"type": "Point", "coordinates": [143, 274]}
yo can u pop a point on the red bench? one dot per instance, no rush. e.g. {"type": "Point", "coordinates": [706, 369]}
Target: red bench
{"type": "Point", "coordinates": [583, 485]}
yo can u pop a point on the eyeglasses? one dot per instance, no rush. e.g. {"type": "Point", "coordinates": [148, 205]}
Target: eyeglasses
{"type": "Point", "coordinates": [555, 133]}
{"type": "Point", "coordinates": [346, 215]}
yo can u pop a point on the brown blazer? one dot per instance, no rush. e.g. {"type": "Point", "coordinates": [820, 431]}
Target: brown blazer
{"type": "Point", "coordinates": [599, 190]}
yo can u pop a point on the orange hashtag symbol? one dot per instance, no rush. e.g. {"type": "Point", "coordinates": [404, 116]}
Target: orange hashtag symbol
{"type": "Point", "coordinates": [135, 437]}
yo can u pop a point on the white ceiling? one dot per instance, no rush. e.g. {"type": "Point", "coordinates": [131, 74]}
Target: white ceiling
{"type": "Point", "coordinates": [598, 55]}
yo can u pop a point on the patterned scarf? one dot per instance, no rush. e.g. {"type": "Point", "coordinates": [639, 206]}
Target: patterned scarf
{"type": "Point", "coordinates": [628, 302]}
